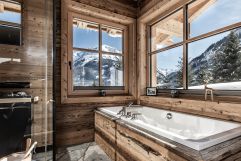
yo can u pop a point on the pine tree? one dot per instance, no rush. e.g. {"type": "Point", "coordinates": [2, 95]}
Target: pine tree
{"type": "Point", "coordinates": [179, 78]}
{"type": "Point", "coordinates": [204, 76]}
{"type": "Point", "coordinates": [226, 62]}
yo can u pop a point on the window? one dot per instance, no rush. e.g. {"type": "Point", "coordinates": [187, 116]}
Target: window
{"type": "Point", "coordinates": [167, 32]}
{"type": "Point", "coordinates": [10, 22]}
{"type": "Point", "coordinates": [168, 69]}
{"type": "Point", "coordinates": [207, 53]}
{"type": "Point", "coordinates": [98, 55]}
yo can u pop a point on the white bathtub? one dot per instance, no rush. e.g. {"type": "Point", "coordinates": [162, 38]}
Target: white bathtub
{"type": "Point", "coordinates": [193, 131]}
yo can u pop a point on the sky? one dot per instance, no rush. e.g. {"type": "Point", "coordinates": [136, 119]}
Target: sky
{"type": "Point", "coordinates": [220, 14]}
{"type": "Point", "coordinates": [10, 17]}
{"type": "Point", "coordinates": [89, 39]}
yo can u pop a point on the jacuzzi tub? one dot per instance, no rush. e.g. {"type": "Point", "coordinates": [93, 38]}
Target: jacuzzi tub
{"type": "Point", "coordinates": [193, 131]}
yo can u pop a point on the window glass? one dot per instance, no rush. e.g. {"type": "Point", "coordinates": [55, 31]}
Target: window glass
{"type": "Point", "coordinates": [216, 61]}
{"type": "Point", "coordinates": [85, 68]}
{"type": "Point", "coordinates": [87, 72]}
{"type": "Point", "coordinates": [85, 35]}
{"type": "Point", "coordinates": [208, 15]}
{"type": "Point", "coordinates": [167, 32]}
{"type": "Point", "coordinates": [8, 16]}
{"type": "Point", "coordinates": [112, 40]}
{"type": "Point", "coordinates": [112, 70]}
{"type": "Point", "coordinates": [10, 23]}
{"type": "Point", "coordinates": [167, 69]}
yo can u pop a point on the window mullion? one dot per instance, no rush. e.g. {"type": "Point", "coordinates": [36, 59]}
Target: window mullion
{"type": "Point", "coordinates": [185, 47]}
{"type": "Point", "coordinates": [100, 56]}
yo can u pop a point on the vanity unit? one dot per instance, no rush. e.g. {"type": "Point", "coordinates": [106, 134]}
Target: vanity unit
{"type": "Point", "coordinates": [124, 140]}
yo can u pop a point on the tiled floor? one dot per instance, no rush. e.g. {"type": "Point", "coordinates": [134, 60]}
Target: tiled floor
{"type": "Point", "coordinates": [84, 152]}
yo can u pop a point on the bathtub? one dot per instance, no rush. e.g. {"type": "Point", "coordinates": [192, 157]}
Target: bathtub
{"type": "Point", "coordinates": [192, 131]}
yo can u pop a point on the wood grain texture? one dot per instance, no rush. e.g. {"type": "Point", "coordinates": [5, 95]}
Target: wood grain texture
{"type": "Point", "coordinates": [33, 63]}
{"type": "Point", "coordinates": [75, 119]}
{"type": "Point", "coordinates": [137, 144]}
{"type": "Point", "coordinates": [221, 110]}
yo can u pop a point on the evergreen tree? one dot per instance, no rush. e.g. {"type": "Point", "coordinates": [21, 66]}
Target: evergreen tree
{"type": "Point", "coordinates": [179, 78]}
{"type": "Point", "coordinates": [204, 76]}
{"type": "Point", "coordinates": [226, 62]}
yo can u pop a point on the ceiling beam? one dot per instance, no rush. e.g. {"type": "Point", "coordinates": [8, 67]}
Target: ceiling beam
{"type": "Point", "coordinates": [198, 7]}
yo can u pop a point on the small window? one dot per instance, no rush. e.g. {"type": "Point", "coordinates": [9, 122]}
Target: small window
{"type": "Point", "coordinates": [10, 22]}
{"type": "Point", "coordinates": [167, 32]}
{"type": "Point", "coordinates": [167, 67]}
{"type": "Point", "coordinates": [98, 56]}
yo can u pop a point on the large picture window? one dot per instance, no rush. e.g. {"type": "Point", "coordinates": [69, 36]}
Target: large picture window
{"type": "Point", "coordinates": [98, 55]}
{"type": "Point", "coordinates": [204, 50]}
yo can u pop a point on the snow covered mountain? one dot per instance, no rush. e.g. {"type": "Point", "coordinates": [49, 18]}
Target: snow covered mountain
{"type": "Point", "coordinates": [86, 68]}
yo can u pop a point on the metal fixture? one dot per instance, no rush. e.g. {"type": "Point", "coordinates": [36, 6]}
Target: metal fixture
{"type": "Point", "coordinates": [134, 115]}
{"type": "Point", "coordinates": [208, 91]}
{"type": "Point", "coordinates": [123, 111]}
{"type": "Point", "coordinates": [169, 116]}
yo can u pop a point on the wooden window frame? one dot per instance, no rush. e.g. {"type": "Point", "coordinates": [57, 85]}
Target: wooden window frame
{"type": "Point", "coordinates": [93, 91]}
{"type": "Point", "coordinates": [185, 43]}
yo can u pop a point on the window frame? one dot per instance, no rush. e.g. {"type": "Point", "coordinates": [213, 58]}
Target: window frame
{"type": "Point", "coordinates": [15, 25]}
{"type": "Point", "coordinates": [184, 43]}
{"type": "Point", "coordinates": [93, 91]}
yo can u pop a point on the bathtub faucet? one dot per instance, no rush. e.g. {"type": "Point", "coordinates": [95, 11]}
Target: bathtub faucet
{"type": "Point", "coordinates": [123, 111]}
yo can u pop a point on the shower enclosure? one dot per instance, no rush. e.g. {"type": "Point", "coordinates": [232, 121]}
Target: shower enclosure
{"type": "Point", "coordinates": [26, 74]}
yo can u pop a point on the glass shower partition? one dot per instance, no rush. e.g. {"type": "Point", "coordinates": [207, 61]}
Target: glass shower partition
{"type": "Point", "coordinates": [26, 76]}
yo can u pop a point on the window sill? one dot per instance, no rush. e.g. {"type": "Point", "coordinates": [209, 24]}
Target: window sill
{"type": "Point", "coordinates": [98, 99]}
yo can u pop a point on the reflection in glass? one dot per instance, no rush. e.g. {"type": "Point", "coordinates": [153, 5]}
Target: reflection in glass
{"type": "Point", "coordinates": [167, 32]}
{"type": "Point", "coordinates": [209, 15]}
{"type": "Point", "coordinates": [10, 22]}
{"type": "Point", "coordinates": [85, 69]}
{"type": "Point", "coordinates": [167, 69]}
{"type": "Point", "coordinates": [112, 70]}
{"type": "Point", "coordinates": [85, 35]}
{"type": "Point", "coordinates": [111, 40]}
{"type": "Point", "coordinates": [216, 61]}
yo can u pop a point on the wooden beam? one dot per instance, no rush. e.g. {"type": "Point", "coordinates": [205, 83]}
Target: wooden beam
{"type": "Point", "coordinates": [10, 6]}
{"type": "Point", "coordinates": [172, 27]}
{"type": "Point", "coordinates": [1, 7]}
{"type": "Point", "coordinates": [198, 7]}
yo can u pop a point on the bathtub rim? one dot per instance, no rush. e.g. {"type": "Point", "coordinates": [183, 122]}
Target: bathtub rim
{"type": "Point", "coordinates": [157, 136]}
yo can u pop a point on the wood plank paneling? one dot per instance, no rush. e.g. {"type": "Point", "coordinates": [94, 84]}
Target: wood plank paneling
{"type": "Point", "coordinates": [31, 62]}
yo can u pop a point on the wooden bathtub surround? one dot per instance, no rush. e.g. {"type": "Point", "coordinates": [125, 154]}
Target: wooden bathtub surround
{"type": "Point", "coordinates": [220, 110]}
{"type": "Point", "coordinates": [122, 141]}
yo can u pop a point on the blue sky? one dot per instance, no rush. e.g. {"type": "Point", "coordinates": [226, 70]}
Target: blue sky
{"type": "Point", "coordinates": [10, 17]}
{"type": "Point", "coordinates": [89, 39]}
{"type": "Point", "coordinates": [220, 14]}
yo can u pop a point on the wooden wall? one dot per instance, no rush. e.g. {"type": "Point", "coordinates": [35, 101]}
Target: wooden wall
{"type": "Point", "coordinates": [75, 121]}
{"type": "Point", "coordinates": [34, 66]}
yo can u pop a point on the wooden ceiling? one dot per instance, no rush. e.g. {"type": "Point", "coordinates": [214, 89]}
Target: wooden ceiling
{"type": "Point", "coordinates": [133, 3]}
